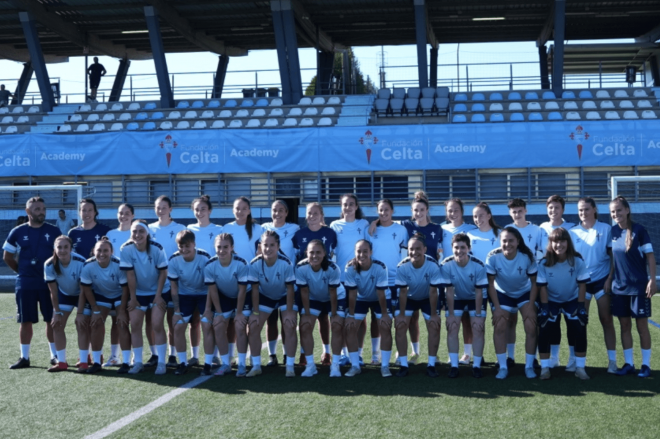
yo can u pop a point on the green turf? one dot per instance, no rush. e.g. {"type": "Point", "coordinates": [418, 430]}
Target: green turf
{"type": "Point", "coordinates": [38, 404]}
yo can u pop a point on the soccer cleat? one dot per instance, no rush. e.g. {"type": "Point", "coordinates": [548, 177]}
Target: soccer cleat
{"type": "Point", "coordinates": [206, 371]}
{"type": "Point", "coordinates": [241, 372]}
{"type": "Point", "coordinates": [137, 368]}
{"type": "Point", "coordinates": [375, 359]}
{"type": "Point", "coordinates": [171, 361]}
{"type": "Point", "coordinates": [59, 367]}
{"type": "Point", "coordinates": [465, 359]}
{"type": "Point", "coordinates": [290, 373]}
{"type": "Point", "coordinates": [644, 372]}
{"type": "Point", "coordinates": [554, 362]}
{"type": "Point", "coordinates": [302, 361]}
{"type": "Point", "coordinates": [545, 373]}
{"type": "Point", "coordinates": [225, 369]}
{"type": "Point", "coordinates": [309, 371]}
{"type": "Point", "coordinates": [21, 363]}
{"type": "Point", "coordinates": [476, 372]}
{"type": "Point", "coordinates": [385, 371]}
{"type": "Point", "coordinates": [193, 362]}
{"type": "Point", "coordinates": [611, 367]}
{"type": "Point", "coordinates": [216, 361]}
{"type": "Point", "coordinates": [95, 368]}
{"type": "Point", "coordinates": [153, 360]}
{"type": "Point", "coordinates": [353, 371]}
{"type": "Point", "coordinates": [123, 369]}
{"type": "Point", "coordinates": [502, 374]}
{"type": "Point", "coordinates": [414, 359]}
{"type": "Point", "coordinates": [334, 371]}
{"type": "Point", "coordinates": [273, 361]}
{"type": "Point", "coordinates": [53, 361]}
{"type": "Point", "coordinates": [453, 372]}
{"type": "Point", "coordinates": [326, 360]}
{"type": "Point", "coordinates": [430, 371]}
{"type": "Point", "coordinates": [403, 372]}
{"type": "Point", "coordinates": [571, 366]}
{"type": "Point", "coordinates": [529, 373]}
{"type": "Point", "coordinates": [627, 369]}
{"type": "Point", "coordinates": [581, 373]}
{"type": "Point", "coordinates": [161, 369]}
{"type": "Point", "coordinates": [82, 368]}
{"type": "Point", "coordinates": [254, 372]}
{"type": "Point", "coordinates": [344, 361]}
{"type": "Point", "coordinates": [181, 369]}
{"type": "Point", "coordinates": [113, 361]}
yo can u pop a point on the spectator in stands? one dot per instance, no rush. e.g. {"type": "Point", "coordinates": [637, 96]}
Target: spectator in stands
{"type": "Point", "coordinates": [95, 72]}
{"type": "Point", "coordinates": [4, 96]}
{"type": "Point", "coordinates": [63, 223]}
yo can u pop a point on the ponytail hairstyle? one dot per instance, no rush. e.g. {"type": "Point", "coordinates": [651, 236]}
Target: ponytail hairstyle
{"type": "Point", "coordinates": [130, 207]}
{"type": "Point", "coordinates": [491, 222]}
{"type": "Point", "coordinates": [386, 201]}
{"type": "Point", "coordinates": [203, 199]}
{"type": "Point", "coordinates": [354, 262]}
{"type": "Point", "coordinates": [249, 222]}
{"type": "Point", "coordinates": [629, 222]}
{"type": "Point", "coordinates": [325, 263]}
{"type": "Point", "coordinates": [146, 225]}
{"type": "Point", "coordinates": [522, 247]}
{"type": "Point", "coordinates": [457, 201]}
{"type": "Point", "coordinates": [267, 234]}
{"type": "Point", "coordinates": [103, 240]}
{"type": "Point", "coordinates": [592, 202]}
{"type": "Point", "coordinates": [88, 201]}
{"type": "Point", "coordinates": [560, 234]}
{"type": "Point", "coordinates": [166, 199]}
{"type": "Point", "coordinates": [283, 204]}
{"type": "Point", "coordinates": [418, 236]}
{"type": "Point", "coordinates": [320, 207]}
{"type": "Point", "coordinates": [461, 237]}
{"type": "Point", "coordinates": [56, 259]}
{"type": "Point", "coordinates": [422, 197]}
{"type": "Point", "coordinates": [358, 212]}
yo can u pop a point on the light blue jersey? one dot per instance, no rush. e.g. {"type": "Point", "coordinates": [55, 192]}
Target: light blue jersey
{"type": "Point", "coordinates": [448, 232]}
{"type": "Point", "coordinates": [388, 244]}
{"type": "Point", "coordinates": [531, 234]}
{"type": "Point", "coordinates": [347, 235]}
{"type": "Point", "coordinates": [205, 236]}
{"type": "Point", "coordinates": [320, 281]}
{"type": "Point", "coordinates": [147, 267]}
{"type": "Point", "coordinates": [227, 279]}
{"type": "Point", "coordinates": [285, 233]}
{"type": "Point", "coordinates": [511, 276]}
{"type": "Point", "coordinates": [117, 239]}
{"type": "Point", "coordinates": [189, 275]}
{"type": "Point", "coordinates": [166, 236]}
{"type": "Point", "coordinates": [244, 246]}
{"type": "Point", "coordinates": [546, 229]}
{"type": "Point", "coordinates": [418, 280]}
{"type": "Point", "coordinates": [68, 282]}
{"type": "Point", "coordinates": [464, 279]}
{"type": "Point", "coordinates": [366, 282]}
{"type": "Point", "coordinates": [104, 281]}
{"type": "Point", "coordinates": [482, 243]}
{"type": "Point", "coordinates": [593, 245]}
{"type": "Point", "coordinates": [562, 279]}
{"type": "Point", "coordinates": [272, 280]}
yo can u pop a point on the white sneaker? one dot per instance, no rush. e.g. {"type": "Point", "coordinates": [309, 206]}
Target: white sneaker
{"type": "Point", "coordinates": [502, 374]}
{"type": "Point", "coordinates": [529, 373]}
{"type": "Point", "coordinates": [334, 371]}
{"type": "Point", "coordinates": [136, 368]}
{"type": "Point", "coordinates": [554, 362]}
{"type": "Point", "coordinates": [581, 373]}
{"type": "Point", "coordinates": [611, 367]}
{"type": "Point", "coordinates": [161, 369]}
{"type": "Point", "coordinates": [254, 372]}
{"type": "Point", "coordinates": [414, 358]}
{"type": "Point", "coordinates": [309, 371]}
{"type": "Point", "coordinates": [545, 373]}
{"type": "Point", "coordinates": [572, 365]}
{"type": "Point", "coordinates": [290, 373]}
{"type": "Point", "coordinates": [465, 359]}
{"type": "Point", "coordinates": [354, 371]}
{"type": "Point", "coordinates": [113, 361]}
{"type": "Point", "coordinates": [385, 372]}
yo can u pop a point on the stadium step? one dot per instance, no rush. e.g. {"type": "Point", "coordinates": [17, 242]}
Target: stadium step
{"type": "Point", "coordinates": [65, 109]}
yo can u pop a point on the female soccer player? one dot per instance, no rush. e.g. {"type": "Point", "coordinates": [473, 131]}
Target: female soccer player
{"type": "Point", "coordinates": [205, 231]}
{"type": "Point", "coordinates": [145, 265]}
{"type": "Point", "coordinates": [85, 236]}
{"type": "Point", "coordinates": [272, 279]}
{"type": "Point", "coordinates": [367, 289]}
{"type": "Point", "coordinates": [118, 236]}
{"type": "Point", "coordinates": [105, 287]}
{"type": "Point", "coordinates": [465, 278]}
{"type": "Point", "coordinates": [562, 282]}
{"type": "Point", "coordinates": [62, 274]}
{"type": "Point", "coordinates": [418, 278]}
{"type": "Point", "coordinates": [593, 240]}
{"type": "Point", "coordinates": [633, 284]}
{"type": "Point", "coordinates": [321, 292]}
{"type": "Point", "coordinates": [185, 271]}
{"type": "Point", "coordinates": [512, 287]}
{"type": "Point", "coordinates": [226, 276]}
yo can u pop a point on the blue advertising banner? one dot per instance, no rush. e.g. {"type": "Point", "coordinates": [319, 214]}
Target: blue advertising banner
{"type": "Point", "coordinates": [367, 148]}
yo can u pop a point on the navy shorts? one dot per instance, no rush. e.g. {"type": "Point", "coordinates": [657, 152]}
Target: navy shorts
{"type": "Point", "coordinates": [317, 308]}
{"type": "Point", "coordinates": [470, 306]}
{"type": "Point", "coordinates": [637, 307]}
{"type": "Point", "coordinates": [167, 297]}
{"type": "Point", "coordinates": [596, 289]}
{"type": "Point", "coordinates": [566, 308]}
{"type": "Point", "coordinates": [268, 305]}
{"type": "Point", "coordinates": [363, 307]}
{"type": "Point", "coordinates": [30, 302]}
{"type": "Point", "coordinates": [394, 299]}
{"type": "Point", "coordinates": [228, 305]}
{"type": "Point", "coordinates": [188, 304]}
{"type": "Point", "coordinates": [109, 303]}
{"type": "Point", "coordinates": [413, 305]}
{"type": "Point", "coordinates": [512, 304]}
{"type": "Point", "coordinates": [67, 303]}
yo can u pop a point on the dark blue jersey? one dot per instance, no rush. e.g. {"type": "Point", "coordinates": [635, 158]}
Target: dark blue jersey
{"type": "Point", "coordinates": [303, 237]}
{"type": "Point", "coordinates": [34, 246]}
{"type": "Point", "coordinates": [85, 240]}
{"type": "Point", "coordinates": [432, 232]}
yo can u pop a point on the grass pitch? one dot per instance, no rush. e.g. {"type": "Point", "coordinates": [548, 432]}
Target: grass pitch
{"type": "Point", "coordinates": [37, 404]}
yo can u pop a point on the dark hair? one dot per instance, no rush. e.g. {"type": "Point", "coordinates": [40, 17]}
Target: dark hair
{"type": "Point", "coordinates": [592, 202]}
{"type": "Point", "coordinates": [461, 237]}
{"type": "Point", "coordinates": [166, 199]}
{"type": "Point", "coordinates": [103, 240]}
{"type": "Point", "coordinates": [325, 263]}
{"type": "Point", "coordinates": [491, 222]}
{"type": "Point", "coordinates": [148, 234]}
{"type": "Point", "coordinates": [130, 207]}
{"type": "Point", "coordinates": [61, 210]}
{"type": "Point", "coordinates": [629, 222]}
{"type": "Point", "coordinates": [56, 259]}
{"type": "Point", "coordinates": [386, 201]}
{"type": "Point", "coordinates": [224, 236]}
{"type": "Point", "coordinates": [522, 247]}
{"type": "Point", "coordinates": [21, 219]}
{"type": "Point", "coordinates": [89, 201]}
{"type": "Point", "coordinates": [457, 201]}
{"type": "Point", "coordinates": [185, 236]}
{"type": "Point", "coordinates": [203, 199]}
{"type": "Point", "coordinates": [354, 261]}
{"type": "Point", "coordinates": [358, 212]}
{"type": "Point", "coordinates": [556, 199]}
{"type": "Point", "coordinates": [35, 200]}
{"type": "Point", "coordinates": [560, 234]}
{"type": "Point", "coordinates": [421, 197]}
{"type": "Point", "coordinates": [283, 203]}
{"type": "Point", "coordinates": [418, 237]}
{"type": "Point", "coordinates": [249, 222]}
{"type": "Point", "coordinates": [516, 202]}
{"type": "Point", "coordinates": [264, 236]}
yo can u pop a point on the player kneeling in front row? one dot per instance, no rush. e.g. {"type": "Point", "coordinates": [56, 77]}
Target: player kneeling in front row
{"type": "Point", "coordinates": [320, 292]}
{"type": "Point", "coordinates": [185, 271]}
{"type": "Point", "coordinates": [418, 278]}
{"type": "Point", "coordinates": [562, 281]}
{"type": "Point", "coordinates": [465, 278]}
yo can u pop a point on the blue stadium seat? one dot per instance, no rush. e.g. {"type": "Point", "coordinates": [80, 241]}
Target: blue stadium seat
{"type": "Point", "coordinates": [148, 126]}
{"type": "Point", "coordinates": [535, 116]}
{"type": "Point", "coordinates": [198, 104]}
{"type": "Point", "coordinates": [585, 94]}
{"type": "Point", "coordinates": [460, 97]}
{"type": "Point", "coordinates": [531, 95]}
{"type": "Point", "coordinates": [414, 93]}
{"type": "Point", "coordinates": [495, 97]}
{"type": "Point", "coordinates": [214, 104]}
{"type": "Point", "coordinates": [261, 103]}
{"type": "Point", "coordinates": [150, 106]}
{"type": "Point", "coordinates": [478, 107]}
{"type": "Point", "coordinates": [141, 116]}
{"type": "Point", "coordinates": [568, 95]}
{"type": "Point", "coordinates": [231, 103]}
{"type": "Point", "coordinates": [517, 117]}
{"type": "Point", "coordinates": [157, 115]}
{"type": "Point", "coordinates": [514, 96]}
{"type": "Point", "coordinates": [555, 115]}
{"type": "Point", "coordinates": [549, 95]}
{"type": "Point", "coordinates": [132, 126]}
{"type": "Point", "coordinates": [247, 103]}
{"type": "Point", "coordinates": [384, 93]}
{"type": "Point", "coordinates": [496, 117]}
{"type": "Point", "coordinates": [183, 104]}
{"type": "Point", "coordinates": [459, 118]}
{"type": "Point", "coordinates": [479, 117]}
{"type": "Point", "coordinates": [460, 108]}
{"type": "Point", "coordinates": [428, 92]}
{"type": "Point", "coordinates": [442, 92]}
{"type": "Point", "coordinates": [478, 97]}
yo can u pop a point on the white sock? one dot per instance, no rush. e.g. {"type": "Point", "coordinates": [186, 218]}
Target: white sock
{"type": "Point", "coordinates": [272, 347]}
{"type": "Point", "coordinates": [335, 360]}
{"type": "Point", "coordinates": [25, 352]}
{"type": "Point", "coordinates": [231, 350]}
{"type": "Point", "coordinates": [256, 361]}
{"type": "Point", "coordinates": [290, 361]}
{"type": "Point", "coordinates": [195, 352]}
{"type": "Point", "coordinates": [501, 359]}
{"type": "Point", "coordinates": [385, 362]}
{"type": "Point", "coordinates": [208, 359]}
{"type": "Point", "coordinates": [545, 363]}
{"type": "Point", "coordinates": [225, 359]}
{"type": "Point", "coordinates": [580, 361]}
{"type": "Point", "coordinates": [554, 350]}
{"type": "Point", "coordinates": [182, 357]}
{"type": "Point", "coordinates": [96, 356]}
{"type": "Point", "coordinates": [511, 350]}
{"type": "Point", "coordinates": [628, 356]}
{"type": "Point", "coordinates": [453, 358]}
{"type": "Point", "coordinates": [344, 351]}
{"type": "Point", "coordinates": [61, 356]}
{"type": "Point", "coordinates": [476, 361]}
{"type": "Point", "coordinates": [172, 350]}
{"type": "Point", "coordinates": [646, 357]}
{"type": "Point", "coordinates": [467, 349]}
{"type": "Point", "coordinates": [375, 345]}
{"type": "Point", "coordinates": [114, 350]}
{"type": "Point", "coordinates": [355, 359]}
{"type": "Point", "coordinates": [415, 348]}
{"type": "Point", "coordinates": [611, 355]}
{"type": "Point", "coordinates": [152, 348]}
{"type": "Point", "coordinates": [326, 348]}
{"type": "Point", "coordinates": [432, 361]}
{"type": "Point", "coordinates": [241, 359]}
{"type": "Point", "coordinates": [403, 361]}
{"type": "Point", "coordinates": [310, 360]}
{"type": "Point", "coordinates": [137, 355]}
{"type": "Point", "coordinates": [83, 353]}
{"type": "Point", "coordinates": [529, 360]}
{"type": "Point", "coordinates": [126, 356]}
{"type": "Point", "coordinates": [53, 350]}
{"type": "Point", "coordinates": [161, 350]}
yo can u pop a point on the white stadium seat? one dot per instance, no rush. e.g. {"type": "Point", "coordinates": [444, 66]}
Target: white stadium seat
{"type": "Point", "coordinates": [208, 114]}
{"type": "Point", "coordinates": [606, 104]}
{"type": "Point", "coordinates": [603, 94]}
{"type": "Point", "coordinates": [630, 115]}
{"type": "Point", "coordinates": [34, 109]}
{"type": "Point", "coordinates": [570, 105]}
{"type": "Point", "coordinates": [242, 113]}
{"type": "Point", "coordinates": [93, 118]}
{"type": "Point", "coordinates": [612, 115]}
{"type": "Point", "coordinates": [290, 122]}
{"type": "Point", "coordinates": [325, 122]}
{"type": "Point", "coordinates": [218, 124]}
{"type": "Point", "coordinates": [295, 112]}
{"type": "Point", "coordinates": [277, 102]}
{"type": "Point", "coordinates": [620, 94]}
{"type": "Point", "coordinates": [589, 105]}
{"type": "Point", "coordinates": [253, 123]}
{"type": "Point", "coordinates": [174, 115]}
{"type": "Point", "coordinates": [134, 106]}
{"type": "Point", "coordinates": [640, 93]}
{"type": "Point", "coordinates": [7, 119]}
{"type": "Point", "coordinates": [496, 107]}
{"type": "Point", "coordinates": [334, 101]}
{"type": "Point", "coordinates": [190, 114]}
{"type": "Point", "coordinates": [307, 122]}
{"type": "Point", "coordinates": [117, 107]}
{"type": "Point", "coordinates": [98, 127]}
{"type": "Point", "coordinates": [271, 123]}
{"type": "Point", "coordinates": [593, 115]}
{"type": "Point", "coordinates": [648, 114]}
{"type": "Point", "coordinates": [626, 104]}
{"type": "Point", "coordinates": [166, 125]}
{"type": "Point", "coordinates": [644, 104]}
{"type": "Point", "coordinates": [123, 116]}
{"type": "Point", "coordinates": [572, 115]}
{"type": "Point", "coordinates": [328, 111]}
{"type": "Point", "coordinates": [259, 112]}
{"type": "Point", "coordinates": [551, 105]}
{"type": "Point", "coordinates": [305, 101]}
{"type": "Point", "coordinates": [318, 101]}
{"type": "Point", "coordinates": [11, 130]}
{"type": "Point", "coordinates": [117, 127]}
{"type": "Point", "coordinates": [515, 106]}
{"type": "Point", "coordinates": [107, 117]}
{"type": "Point", "coordinates": [183, 125]}
{"type": "Point", "coordinates": [101, 107]}
{"type": "Point", "coordinates": [64, 129]}
{"type": "Point", "coordinates": [533, 106]}
{"type": "Point", "coordinates": [85, 107]}
{"type": "Point", "coordinates": [82, 128]}
{"type": "Point", "coordinates": [225, 114]}
{"type": "Point", "coordinates": [23, 119]}
{"type": "Point", "coordinates": [200, 124]}
{"type": "Point", "coordinates": [311, 111]}
{"type": "Point", "coordinates": [236, 124]}
{"type": "Point", "coordinates": [276, 112]}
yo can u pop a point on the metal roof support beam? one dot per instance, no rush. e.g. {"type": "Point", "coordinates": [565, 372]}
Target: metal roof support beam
{"type": "Point", "coordinates": [37, 59]}
{"type": "Point", "coordinates": [287, 50]}
{"type": "Point", "coordinates": [324, 67]}
{"type": "Point", "coordinates": [543, 65]}
{"type": "Point", "coordinates": [650, 37]}
{"type": "Point", "coordinates": [420, 35]}
{"type": "Point", "coordinates": [220, 74]}
{"type": "Point", "coordinates": [558, 58]}
{"type": "Point", "coordinates": [23, 84]}
{"type": "Point", "coordinates": [162, 74]}
{"type": "Point", "coordinates": [120, 79]}
{"type": "Point", "coordinates": [433, 77]}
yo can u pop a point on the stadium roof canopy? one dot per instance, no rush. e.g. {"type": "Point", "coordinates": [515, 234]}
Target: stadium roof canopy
{"type": "Point", "coordinates": [232, 27]}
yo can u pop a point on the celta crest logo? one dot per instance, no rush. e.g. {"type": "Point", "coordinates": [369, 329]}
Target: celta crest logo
{"type": "Point", "coordinates": [579, 135]}
{"type": "Point", "coordinates": [168, 145]}
{"type": "Point", "coordinates": [368, 140]}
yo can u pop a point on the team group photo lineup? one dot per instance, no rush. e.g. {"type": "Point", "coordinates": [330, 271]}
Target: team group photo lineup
{"type": "Point", "coordinates": [218, 286]}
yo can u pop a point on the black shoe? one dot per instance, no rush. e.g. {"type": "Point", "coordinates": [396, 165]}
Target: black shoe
{"type": "Point", "coordinates": [124, 368]}
{"type": "Point", "coordinates": [181, 369]}
{"type": "Point", "coordinates": [476, 372]}
{"type": "Point", "coordinates": [453, 372]}
{"type": "Point", "coordinates": [536, 364]}
{"type": "Point", "coordinates": [510, 363]}
{"type": "Point", "coordinates": [273, 361]}
{"type": "Point", "coordinates": [94, 368]}
{"type": "Point", "coordinates": [430, 371]}
{"type": "Point", "coordinates": [171, 361]}
{"type": "Point", "coordinates": [403, 372]}
{"type": "Point", "coordinates": [21, 363]}
{"type": "Point", "coordinates": [193, 362]}
{"type": "Point", "coordinates": [53, 361]}
{"type": "Point", "coordinates": [206, 371]}
{"type": "Point", "coordinates": [153, 361]}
